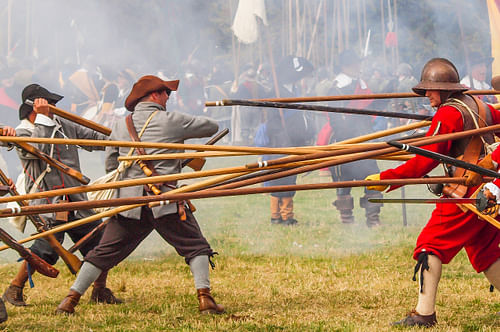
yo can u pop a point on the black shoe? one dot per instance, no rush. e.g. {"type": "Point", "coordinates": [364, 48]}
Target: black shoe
{"type": "Point", "coordinates": [415, 319]}
{"type": "Point", "coordinates": [289, 221]}
{"type": "Point", "coordinates": [276, 221]}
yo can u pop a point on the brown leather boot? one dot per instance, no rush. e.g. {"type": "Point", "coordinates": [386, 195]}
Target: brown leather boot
{"type": "Point", "coordinates": [207, 302]}
{"type": "Point", "coordinates": [68, 304]}
{"type": "Point", "coordinates": [345, 205]}
{"type": "Point", "coordinates": [104, 295]}
{"type": "Point", "coordinates": [14, 293]}
{"type": "Point", "coordinates": [416, 319]}
{"type": "Point", "coordinates": [3, 312]}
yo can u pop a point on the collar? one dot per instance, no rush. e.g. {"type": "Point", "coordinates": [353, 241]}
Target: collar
{"type": "Point", "coordinates": [44, 120]}
{"type": "Point", "coordinates": [148, 106]}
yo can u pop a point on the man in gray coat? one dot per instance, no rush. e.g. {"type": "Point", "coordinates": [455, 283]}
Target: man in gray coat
{"type": "Point", "coordinates": [6, 131]}
{"type": "Point", "coordinates": [38, 121]}
{"type": "Point", "coordinates": [125, 231]}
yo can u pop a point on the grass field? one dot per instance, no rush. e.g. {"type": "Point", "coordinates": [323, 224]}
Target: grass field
{"type": "Point", "coordinates": [319, 275]}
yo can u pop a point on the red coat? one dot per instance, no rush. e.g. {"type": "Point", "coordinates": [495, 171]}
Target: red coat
{"type": "Point", "coordinates": [450, 229]}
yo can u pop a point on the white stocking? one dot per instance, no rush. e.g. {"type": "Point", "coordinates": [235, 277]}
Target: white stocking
{"type": "Point", "coordinates": [427, 298]}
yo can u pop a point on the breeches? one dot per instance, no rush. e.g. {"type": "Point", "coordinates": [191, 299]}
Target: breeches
{"type": "Point", "coordinates": [43, 249]}
{"type": "Point", "coordinates": [450, 229]}
{"type": "Point", "coordinates": [122, 235]}
{"type": "Point", "coordinates": [357, 170]}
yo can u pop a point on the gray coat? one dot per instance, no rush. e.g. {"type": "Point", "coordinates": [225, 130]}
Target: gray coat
{"type": "Point", "coordinates": [165, 127]}
{"type": "Point", "coordinates": [67, 154]}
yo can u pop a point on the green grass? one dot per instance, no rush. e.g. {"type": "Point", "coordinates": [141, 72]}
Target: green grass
{"type": "Point", "coordinates": [319, 275]}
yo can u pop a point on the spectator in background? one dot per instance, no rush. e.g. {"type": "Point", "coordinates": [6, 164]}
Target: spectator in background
{"type": "Point", "coordinates": [285, 128]}
{"type": "Point", "coordinates": [480, 67]}
{"type": "Point", "coordinates": [246, 120]}
{"type": "Point", "coordinates": [218, 88]}
{"type": "Point", "coordinates": [344, 126]}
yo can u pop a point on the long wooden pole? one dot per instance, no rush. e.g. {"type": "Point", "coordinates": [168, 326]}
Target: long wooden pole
{"type": "Point", "coordinates": [72, 262]}
{"type": "Point", "coordinates": [75, 118]}
{"type": "Point", "coordinates": [169, 196]}
{"type": "Point", "coordinates": [198, 147]}
{"type": "Point", "coordinates": [390, 95]}
{"type": "Point", "coordinates": [153, 145]}
{"type": "Point", "coordinates": [242, 169]}
{"type": "Point", "coordinates": [352, 157]}
{"type": "Point", "coordinates": [120, 209]}
{"type": "Point", "coordinates": [236, 171]}
{"type": "Point", "coordinates": [416, 142]}
{"type": "Point", "coordinates": [322, 108]}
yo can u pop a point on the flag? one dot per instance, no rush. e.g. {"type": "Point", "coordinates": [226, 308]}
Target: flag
{"type": "Point", "coordinates": [245, 25]}
{"type": "Point", "coordinates": [494, 14]}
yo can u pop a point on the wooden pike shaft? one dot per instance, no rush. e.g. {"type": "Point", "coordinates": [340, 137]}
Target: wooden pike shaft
{"type": "Point", "coordinates": [322, 108]}
{"type": "Point", "coordinates": [174, 146]}
{"type": "Point", "coordinates": [424, 141]}
{"type": "Point", "coordinates": [355, 157]}
{"type": "Point", "coordinates": [120, 209]}
{"type": "Point", "coordinates": [203, 147]}
{"type": "Point", "coordinates": [72, 262]}
{"type": "Point", "coordinates": [163, 156]}
{"type": "Point", "coordinates": [238, 170]}
{"type": "Point", "coordinates": [75, 118]}
{"type": "Point", "coordinates": [52, 161]}
{"type": "Point", "coordinates": [82, 121]}
{"type": "Point", "coordinates": [353, 97]}
{"type": "Point", "coordinates": [209, 193]}
{"type": "Point", "coordinates": [338, 145]}
{"type": "Point", "coordinates": [387, 132]}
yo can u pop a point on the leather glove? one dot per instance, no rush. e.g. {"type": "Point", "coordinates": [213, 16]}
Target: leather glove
{"type": "Point", "coordinates": [375, 177]}
{"type": "Point", "coordinates": [492, 201]}
{"type": "Point", "coordinates": [473, 178]}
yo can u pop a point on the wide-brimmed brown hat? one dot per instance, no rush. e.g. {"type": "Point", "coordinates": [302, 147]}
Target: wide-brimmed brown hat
{"type": "Point", "coordinates": [495, 82]}
{"type": "Point", "coordinates": [32, 92]}
{"type": "Point", "coordinates": [144, 86]}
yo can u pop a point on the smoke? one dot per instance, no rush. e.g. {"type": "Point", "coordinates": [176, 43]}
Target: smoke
{"type": "Point", "coordinates": [47, 41]}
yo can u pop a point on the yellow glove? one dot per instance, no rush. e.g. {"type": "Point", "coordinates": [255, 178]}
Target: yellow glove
{"type": "Point", "coordinates": [375, 177]}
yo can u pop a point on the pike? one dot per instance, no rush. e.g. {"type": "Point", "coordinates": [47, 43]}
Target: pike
{"type": "Point", "coordinates": [52, 162]}
{"type": "Point", "coordinates": [243, 102]}
{"type": "Point", "coordinates": [241, 169]}
{"type": "Point", "coordinates": [75, 118]}
{"type": "Point", "coordinates": [211, 141]}
{"type": "Point", "coordinates": [392, 95]}
{"type": "Point", "coordinates": [198, 163]}
{"type": "Point", "coordinates": [33, 260]}
{"type": "Point", "coordinates": [210, 193]}
{"type": "Point", "coordinates": [481, 203]}
{"type": "Point", "coordinates": [445, 159]}
{"type": "Point", "coordinates": [72, 262]}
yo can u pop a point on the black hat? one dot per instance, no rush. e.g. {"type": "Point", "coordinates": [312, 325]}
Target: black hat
{"type": "Point", "coordinates": [348, 57]}
{"type": "Point", "coordinates": [293, 68]}
{"type": "Point", "coordinates": [32, 92]}
{"type": "Point", "coordinates": [476, 57]}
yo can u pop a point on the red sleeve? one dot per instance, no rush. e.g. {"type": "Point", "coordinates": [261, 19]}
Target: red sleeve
{"type": "Point", "coordinates": [495, 114]}
{"type": "Point", "coordinates": [447, 120]}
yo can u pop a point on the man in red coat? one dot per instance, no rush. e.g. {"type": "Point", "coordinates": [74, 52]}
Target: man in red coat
{"type": "Point", "coordinates": [449, 229]}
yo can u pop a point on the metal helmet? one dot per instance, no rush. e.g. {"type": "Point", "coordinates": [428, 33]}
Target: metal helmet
{"type": "Point", "coordinates": [495, 82]}
{"type": "Point", "coordinates": [439, 74]}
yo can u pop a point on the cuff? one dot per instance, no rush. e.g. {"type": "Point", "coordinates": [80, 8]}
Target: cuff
{"type": "Point", "coordinates": [44, 120]}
